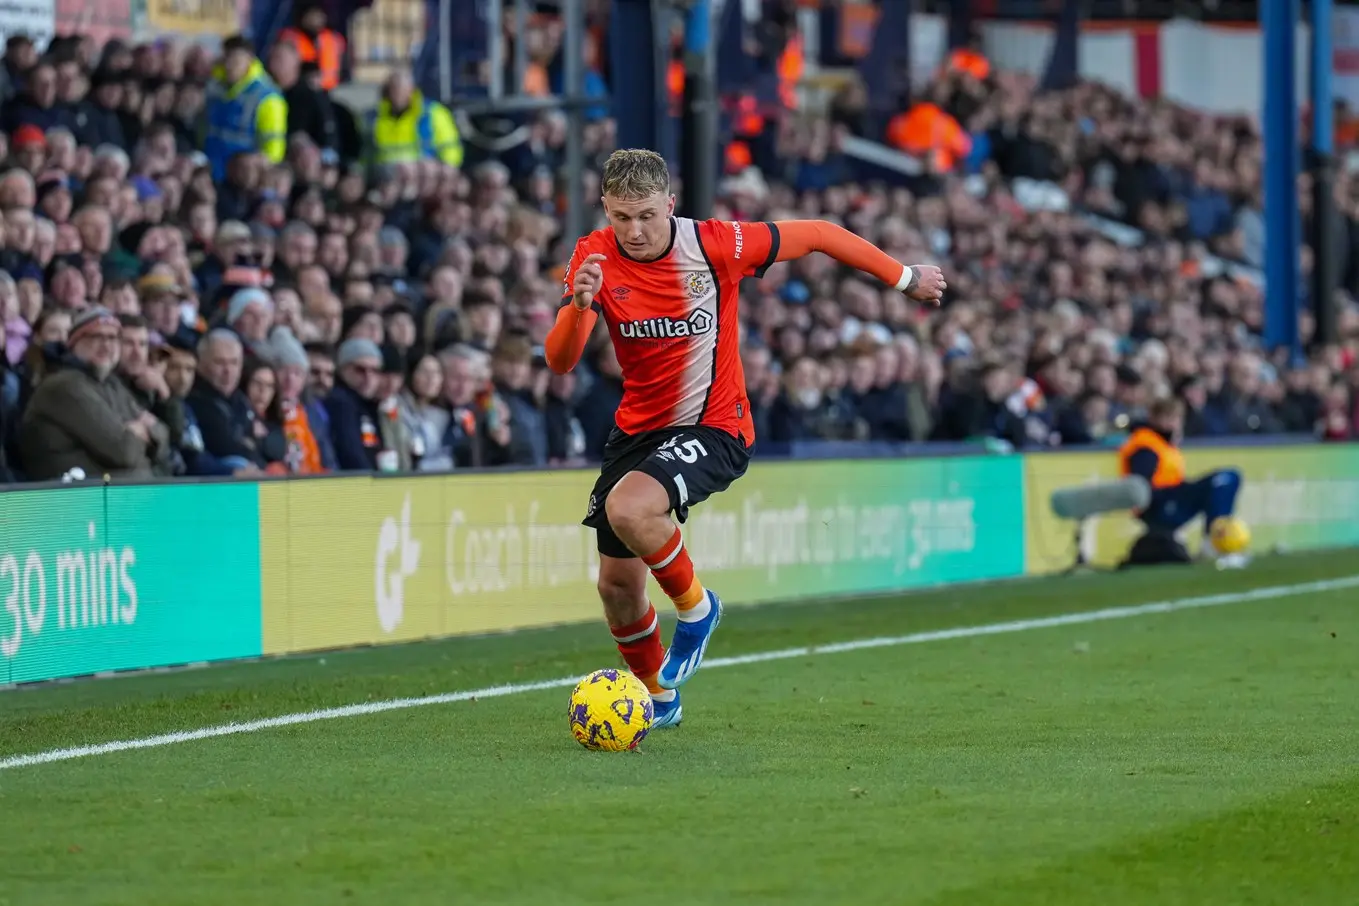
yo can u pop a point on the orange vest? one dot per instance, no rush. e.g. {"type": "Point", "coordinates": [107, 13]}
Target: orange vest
{"type": "Point", "coordinates": [749, 122]}
{"type": "Point", "coordinates": [327, 52]}
{"type": "Point", "coordinates": [1170, 464]}
{"type": "Point", "coordinates": [971, 62]}
{"type": "Point", "coordinates": [674, 83]}
{"type": "Point", "coordinates": [926, 129]}
{"type": "Point", "coordinates": [738, 157]}
{"type": "Point", "coordinates": [789, 68]}
{"type": "Point", "coordinates": [1346, 131]}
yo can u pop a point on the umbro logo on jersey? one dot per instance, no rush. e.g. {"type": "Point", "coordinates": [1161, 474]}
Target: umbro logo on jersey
{"type": "Point", "coordinates": [700, 322]}
{"type": "Point", "coordinates": [621, 292]}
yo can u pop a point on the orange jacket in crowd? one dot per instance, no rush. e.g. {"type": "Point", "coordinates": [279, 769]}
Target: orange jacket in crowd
{"type": "Point", "coordinates": [789, 68]}
{"type": "Point", "coordinates": [927, 130]}
{"type": "Point", "coordinates": [971, 62]}
{"type": "Point", "coordinates": [327, 52]}
{"type": "Point", "coordinates": [674, 84]}
{"type": "Point", "coordinates": [1346, 132]}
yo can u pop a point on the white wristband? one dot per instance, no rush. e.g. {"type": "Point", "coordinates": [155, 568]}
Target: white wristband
{"type": "Point", "coordinates": [907, 275]}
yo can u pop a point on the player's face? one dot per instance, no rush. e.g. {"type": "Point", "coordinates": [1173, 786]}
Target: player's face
{"type": "Point", "coordinates": [641, 224]}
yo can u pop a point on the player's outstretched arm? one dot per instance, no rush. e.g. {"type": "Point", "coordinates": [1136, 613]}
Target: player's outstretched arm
{"type": "Point", "coordinates": [575, 320]}
{"type": "Point", "coordinates": [921, 282]}
{"type": "Point", "coordinates": [566, 341]}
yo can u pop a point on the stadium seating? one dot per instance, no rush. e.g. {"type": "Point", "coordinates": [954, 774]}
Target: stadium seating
{"type": "Point", "coordinates": [1101, 251]}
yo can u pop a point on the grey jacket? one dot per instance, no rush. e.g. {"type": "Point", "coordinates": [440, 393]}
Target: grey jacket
{"type": "Point", "coordinates": [75, 420]}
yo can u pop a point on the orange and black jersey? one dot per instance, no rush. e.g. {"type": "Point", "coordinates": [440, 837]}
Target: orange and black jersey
{"type": "Point", "coordinates": [674, 320]}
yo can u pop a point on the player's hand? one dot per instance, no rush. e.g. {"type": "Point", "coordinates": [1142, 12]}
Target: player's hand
{"type": "Point", "coordinates": [589, 281]}
{"type": "Point", "coordinates": [929, 284]}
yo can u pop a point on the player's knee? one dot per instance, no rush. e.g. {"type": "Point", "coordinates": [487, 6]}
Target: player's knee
{"type": "Point", "coordinates": [634, 501]}
{"type": "Point", "coordinates": [1228, 478]}
{"type": "Point", "coordinates": [621, 587]}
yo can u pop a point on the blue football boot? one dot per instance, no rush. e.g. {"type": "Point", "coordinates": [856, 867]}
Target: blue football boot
{"type": "Point", "coordinates": [688, 646]}
{"type": "Point", "coordinates": [666, 714]}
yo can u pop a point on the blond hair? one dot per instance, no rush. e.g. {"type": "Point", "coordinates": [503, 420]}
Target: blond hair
{"type": "Point", "coordinates": [634, 173]}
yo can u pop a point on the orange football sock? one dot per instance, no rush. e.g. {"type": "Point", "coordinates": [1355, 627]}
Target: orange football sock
{"type": "Point", "coordinates": [640, 645]}
{"type": "Point", "coordinates": [674, 571]}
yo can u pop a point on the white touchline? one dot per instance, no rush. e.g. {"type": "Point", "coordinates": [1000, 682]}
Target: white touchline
{"type": "Point", "coordinates": [940, 635]}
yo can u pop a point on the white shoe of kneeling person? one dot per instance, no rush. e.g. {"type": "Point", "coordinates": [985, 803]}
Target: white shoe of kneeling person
{"type": "Point", "coordinates": [1208, 552]}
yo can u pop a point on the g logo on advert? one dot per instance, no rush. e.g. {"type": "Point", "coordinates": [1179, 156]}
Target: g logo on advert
{"type": "Point", "coordinates": [394, 538]}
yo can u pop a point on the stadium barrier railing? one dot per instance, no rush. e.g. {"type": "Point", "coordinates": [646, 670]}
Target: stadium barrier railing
{"type": "Point", "coordinates": [115, 577]}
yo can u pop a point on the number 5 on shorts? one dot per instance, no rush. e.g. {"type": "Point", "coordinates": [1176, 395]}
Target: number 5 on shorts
{"type": "Point", "coordinates": [690, 450]}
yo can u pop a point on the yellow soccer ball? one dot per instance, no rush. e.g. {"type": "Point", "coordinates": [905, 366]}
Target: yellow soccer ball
{"type": "Point", "coordinates": [1229, 535]}
{"type": "Point", "coordinates": [611, 711]}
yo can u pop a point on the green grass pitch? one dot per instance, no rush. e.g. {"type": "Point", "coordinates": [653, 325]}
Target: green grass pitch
{"type": "Point", "coordinates": [1204, 757]}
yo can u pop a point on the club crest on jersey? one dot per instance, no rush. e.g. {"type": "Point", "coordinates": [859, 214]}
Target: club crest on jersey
{"type": "Point", "coordinates": [697, 284]}
{"type": "Point", "coordinates": [700, 322]}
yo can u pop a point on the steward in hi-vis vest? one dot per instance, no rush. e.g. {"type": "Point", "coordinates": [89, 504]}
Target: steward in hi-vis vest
{"type": "Point", "coordinates": [1152, 451]}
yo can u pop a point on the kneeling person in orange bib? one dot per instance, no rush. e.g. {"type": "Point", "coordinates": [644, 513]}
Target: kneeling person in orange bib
{"type": "Point", "coordinates": [1152, 451]}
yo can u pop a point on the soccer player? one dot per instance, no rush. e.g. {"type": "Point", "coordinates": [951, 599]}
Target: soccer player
{"type": "Point", "coordinates": [667, 287]}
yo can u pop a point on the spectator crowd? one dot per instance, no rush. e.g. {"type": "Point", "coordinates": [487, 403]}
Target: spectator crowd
{"type": "Point", "coordinates": [208, 266]}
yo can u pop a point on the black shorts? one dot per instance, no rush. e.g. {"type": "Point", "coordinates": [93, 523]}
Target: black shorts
{"type": "Point", "coordinates": [691, 463]}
